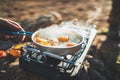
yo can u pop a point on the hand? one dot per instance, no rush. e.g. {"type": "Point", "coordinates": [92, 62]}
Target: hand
{"type": "Point", "coordinates": [9, 25]}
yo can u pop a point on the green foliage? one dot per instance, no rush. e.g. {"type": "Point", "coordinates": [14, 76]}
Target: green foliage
{"type": "Point", "coordinates": [118, 59]}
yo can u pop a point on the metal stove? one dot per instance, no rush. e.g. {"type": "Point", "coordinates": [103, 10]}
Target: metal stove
{"type": "Point", "coordinates": [53, 66]}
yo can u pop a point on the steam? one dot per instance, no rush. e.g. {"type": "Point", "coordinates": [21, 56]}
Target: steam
{"type": "Point", "coordinates": [96, 14]}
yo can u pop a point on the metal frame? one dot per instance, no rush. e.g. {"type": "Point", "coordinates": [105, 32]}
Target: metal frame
{"type": "Point", "coordinates": [67, 66]}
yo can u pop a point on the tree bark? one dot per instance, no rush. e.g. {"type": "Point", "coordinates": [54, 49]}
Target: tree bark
{"type": "Point", "coordinates": [114, 21]}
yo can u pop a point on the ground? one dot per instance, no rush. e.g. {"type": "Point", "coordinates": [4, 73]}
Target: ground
{"type": "Point", "coordinates": [83, 10]}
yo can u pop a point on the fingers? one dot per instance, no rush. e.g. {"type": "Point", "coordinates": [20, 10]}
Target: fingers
{"type": "Point", "coordinates": [10, 25]}
{"type": "Point", "coordinates": [14, 25]}
{"type": "Point", "coordinates": [17, 26]}
{"type": "Point", "coordinates": [21, 37]}
{"type": "Point", "coordinates": [2, 19]}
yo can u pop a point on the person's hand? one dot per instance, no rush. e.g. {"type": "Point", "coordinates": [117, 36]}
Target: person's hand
{"type": "Point", "coordinates": [7, 25]}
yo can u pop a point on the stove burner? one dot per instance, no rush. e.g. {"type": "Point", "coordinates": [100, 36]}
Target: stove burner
{"type": "Point", "coordinates": [53, 66]}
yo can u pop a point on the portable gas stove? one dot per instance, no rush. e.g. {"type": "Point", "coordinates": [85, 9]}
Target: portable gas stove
{"type": "Point", "coordinates": [53, 66]}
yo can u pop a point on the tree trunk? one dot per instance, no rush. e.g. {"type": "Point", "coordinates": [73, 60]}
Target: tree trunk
{"type": "Point", "coordinates": [114, 20]}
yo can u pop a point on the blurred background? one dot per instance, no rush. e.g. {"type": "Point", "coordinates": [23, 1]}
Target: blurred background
{"type": "Point", "coordinates": [20, 10]}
